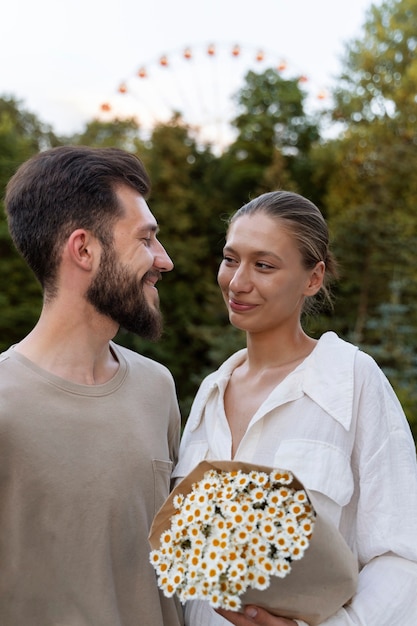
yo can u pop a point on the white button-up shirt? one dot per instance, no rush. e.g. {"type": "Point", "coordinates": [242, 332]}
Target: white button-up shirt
{"type": "Point", "coordinates": [336, 423]}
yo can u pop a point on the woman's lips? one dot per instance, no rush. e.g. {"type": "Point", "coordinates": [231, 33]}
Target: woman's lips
{"type": "Point", "coordinates": [240, 307]}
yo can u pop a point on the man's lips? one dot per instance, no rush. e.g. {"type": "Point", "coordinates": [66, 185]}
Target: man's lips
{"type": "Point", "coordinates": [151, 278]}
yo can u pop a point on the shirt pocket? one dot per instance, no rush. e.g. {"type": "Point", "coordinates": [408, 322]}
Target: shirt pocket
{"type": "Point", "coordinates": [162, 479]}
{"type": "Point", "coordinates": [190, 456]}
{"type": "Point", "coordinates": [320, 466]}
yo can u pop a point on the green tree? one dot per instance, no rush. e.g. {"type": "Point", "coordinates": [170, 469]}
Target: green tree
{"type": "Point", "coordinates": [368, 174]}
{"type": "Point", "coordinates": [379, 81]}
{"type": "Point", "coordinates": [274, 137]}
{"type": "Point", "coordinates": [118, 133]}
{"type": "Point", "coordinates": [372, 206]}
{"type": "Point", "coordinates": [395, 349]}
{"type": "Point", "coordinates": [22, 134]}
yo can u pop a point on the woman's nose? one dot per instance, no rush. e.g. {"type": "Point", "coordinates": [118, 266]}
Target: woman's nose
{"type": "Point", "coordinates": [240, 280]}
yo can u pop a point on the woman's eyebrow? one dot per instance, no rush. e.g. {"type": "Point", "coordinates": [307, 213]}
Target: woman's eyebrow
{"type": "Point", "coordinates": [153, 228]}
{"type": "Point", "coordinates": [255, 252]}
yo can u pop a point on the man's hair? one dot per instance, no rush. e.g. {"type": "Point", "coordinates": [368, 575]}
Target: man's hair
{"type": "Point", "coordinates": [62, 189]}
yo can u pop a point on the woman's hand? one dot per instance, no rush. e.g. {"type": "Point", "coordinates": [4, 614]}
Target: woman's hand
{"type": "Point", "coordinates": [255, 615]}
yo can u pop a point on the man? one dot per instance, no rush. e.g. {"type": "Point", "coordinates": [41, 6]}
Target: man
{"type": "Point", "coordinates": [88, 430]}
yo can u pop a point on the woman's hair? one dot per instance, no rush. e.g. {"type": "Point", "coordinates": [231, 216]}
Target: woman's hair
{"type": "Point", "coordinates": [62, 189]}
{"type": "Point", "coordinates": [304, 221]}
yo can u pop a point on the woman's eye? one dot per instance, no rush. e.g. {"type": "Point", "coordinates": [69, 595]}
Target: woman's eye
{"type": "Point", "coordinates": [264, 266]}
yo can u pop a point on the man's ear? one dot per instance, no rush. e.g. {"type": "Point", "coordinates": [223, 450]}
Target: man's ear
{"type": "Point", "coordinates": [82, 248]}
{"type": "Point", "coordinates": [316, 279]}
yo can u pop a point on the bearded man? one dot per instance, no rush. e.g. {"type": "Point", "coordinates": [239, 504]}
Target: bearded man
{"type": "Point", "coordinates": [89, 430]}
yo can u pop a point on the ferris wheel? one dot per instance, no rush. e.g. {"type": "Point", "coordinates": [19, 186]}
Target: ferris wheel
{"type": "Point", "coordinates": [199, 84]}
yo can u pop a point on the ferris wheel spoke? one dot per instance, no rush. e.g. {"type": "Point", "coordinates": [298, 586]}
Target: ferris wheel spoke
{"type": "Point", "coordinates": [199, 84]}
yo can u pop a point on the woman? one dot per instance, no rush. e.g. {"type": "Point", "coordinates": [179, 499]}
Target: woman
{"type": "Point", "coordinates": [320, 408]}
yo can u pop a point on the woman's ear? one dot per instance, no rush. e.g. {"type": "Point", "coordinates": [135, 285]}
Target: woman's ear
{"type": "Point", "coordinates": [316, 279]}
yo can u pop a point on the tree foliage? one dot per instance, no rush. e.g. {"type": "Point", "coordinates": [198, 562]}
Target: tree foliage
{"type": "Point", "coordinates": [363, 179]}
{"type": "Point", "coordinates": [379, 81]}
{"type": "Point", "coordinates": [119, 133]}
{"type": "Point", "coordinates": [22, 134]}
{"type": "Point", "coordinates": [370, 191]}
{"type": "Point", "coordinates": [274, 137]}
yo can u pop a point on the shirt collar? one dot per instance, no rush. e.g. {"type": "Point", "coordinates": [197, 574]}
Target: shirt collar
{"type": "Point", "coordinates": [329, 377]}
{"type": "Point", "coordinates": [214, 381]}
{"type": "Point", "coordinates": [326, 376]}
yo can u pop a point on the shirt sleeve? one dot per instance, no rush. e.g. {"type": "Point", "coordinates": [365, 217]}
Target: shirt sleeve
{"type": "Point", "coordinates": [386, 522]}
{"type": "Point", "coordinates": [174, 424]}
{"type": "Point", "coordinates": [386, 595]}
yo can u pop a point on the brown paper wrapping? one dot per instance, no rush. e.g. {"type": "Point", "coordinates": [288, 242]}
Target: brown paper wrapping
{"type": "Point", "coordinates": [323, 581]}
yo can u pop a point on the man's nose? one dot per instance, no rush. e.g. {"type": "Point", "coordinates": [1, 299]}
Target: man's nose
{"type": "Point", "coordinates": [162, 260]}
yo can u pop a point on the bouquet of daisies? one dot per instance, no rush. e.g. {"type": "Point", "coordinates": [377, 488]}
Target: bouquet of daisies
{"type": "Point", "coordinates": [233, 533]}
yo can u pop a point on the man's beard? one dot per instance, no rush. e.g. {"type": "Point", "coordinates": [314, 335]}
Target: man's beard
{"type": "Point", "coordinates": [119, 294]}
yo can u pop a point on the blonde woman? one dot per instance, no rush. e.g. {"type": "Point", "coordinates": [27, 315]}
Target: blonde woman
{"type": "Point", "coordinates": [321, 408]}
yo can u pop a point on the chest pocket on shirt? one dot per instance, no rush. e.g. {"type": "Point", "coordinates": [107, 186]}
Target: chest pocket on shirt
{"type": "Point", "coordinates": [319, 466]}
{"type": "Point", "coordinates": [189, 458]}
{"type": "Point", "coordinates": [161, 477]}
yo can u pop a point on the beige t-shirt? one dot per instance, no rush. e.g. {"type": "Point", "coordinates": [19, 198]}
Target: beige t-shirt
{"type": "Point", "coordinates": [83, 470]}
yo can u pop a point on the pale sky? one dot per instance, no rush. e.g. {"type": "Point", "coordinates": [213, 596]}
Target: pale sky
{"type": "Point", "coordinates": [64, 58]}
